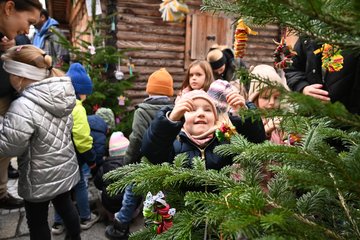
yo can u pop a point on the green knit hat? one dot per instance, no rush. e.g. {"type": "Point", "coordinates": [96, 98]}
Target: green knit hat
{"type": "Point", "coordinates": [108, 116]}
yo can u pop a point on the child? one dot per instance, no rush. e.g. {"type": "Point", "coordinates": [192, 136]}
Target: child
{"type": "Point", "coordinates": [83, 143]}
{"type": "Point", "coordinates": [176, 130]}
{"type": "Point", "coordinates": [160, 89]}
{"type": "Point", "coordinates": [118, 144]}
{"type": "Point", "coordinates": [198, 76]}
{"type": "Point", "coordinates": [267, 97]}
{"type": "Point", "coordinates": [37, 129]}
{"type": "Point", "coordinates": [101, 123]}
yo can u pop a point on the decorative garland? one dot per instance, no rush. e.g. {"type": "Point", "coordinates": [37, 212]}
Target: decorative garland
{"type": "Point", "coordinates": [332, 60]}
{"type": "Point", "coordinates": [283, 55]}
{"type": "Point", "coordinates": [157, 213]}
{"type": "Point", "coordinates": [241, 37]}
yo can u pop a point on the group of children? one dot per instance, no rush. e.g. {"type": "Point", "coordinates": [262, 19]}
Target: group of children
{"type": "Point", "coordinates": [57, 144]}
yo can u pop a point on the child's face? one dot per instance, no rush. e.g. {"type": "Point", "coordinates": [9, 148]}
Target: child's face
{"type": "Point", "coordinates": [196, 77]}
{"type": "Point", "coordinates": [201, 119]}
{"type": "Point", "coordinates": [269, 99]}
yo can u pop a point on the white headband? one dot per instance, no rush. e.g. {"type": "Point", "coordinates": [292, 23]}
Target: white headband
{"type": "Point", "coordinates": [25, 70]}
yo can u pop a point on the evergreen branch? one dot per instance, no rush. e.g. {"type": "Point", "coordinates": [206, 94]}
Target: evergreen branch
{"type": "Point", "coordinates": [343, 204]}
{"type": "Point", "coordinates": [306, 221]}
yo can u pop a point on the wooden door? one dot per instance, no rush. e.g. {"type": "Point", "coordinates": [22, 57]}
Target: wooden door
{"type": "Point", "coordinates": [203, 31]}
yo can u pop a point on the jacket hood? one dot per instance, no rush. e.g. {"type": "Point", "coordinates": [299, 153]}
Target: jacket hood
{"type": "Point", "coordinates": [55, 94]}
{"type": "Point", "coordinates": [49, 23]}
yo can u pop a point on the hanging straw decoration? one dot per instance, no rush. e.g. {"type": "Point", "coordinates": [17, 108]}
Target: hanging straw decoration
{"type": "Point", "coordinates": [241, 37]}
{"type": "Point", "coordinates": [173, 10]}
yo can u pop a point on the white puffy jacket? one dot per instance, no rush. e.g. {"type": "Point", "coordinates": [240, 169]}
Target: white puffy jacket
{"type": "Point", "coordinates": [37, 129]}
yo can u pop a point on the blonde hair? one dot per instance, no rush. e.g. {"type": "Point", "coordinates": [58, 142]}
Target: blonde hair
{"type": "Point", "coordinates": [29, 54]}
{"type": "Point", "coordinates": [209, 77]}
{"type": "Point", "coordinates": [214, 55]}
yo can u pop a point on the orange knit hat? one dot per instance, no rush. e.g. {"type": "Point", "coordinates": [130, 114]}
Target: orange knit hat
{"type": "Point", "coordinates": [160, 82]}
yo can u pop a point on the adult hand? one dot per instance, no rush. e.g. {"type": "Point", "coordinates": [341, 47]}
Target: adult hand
{"type": "Point", "coordinates": [181, 107]}
{"type": "Point", "coordinates": [316, 91]}
{"type": "Point", "coordinates": [5, 44]}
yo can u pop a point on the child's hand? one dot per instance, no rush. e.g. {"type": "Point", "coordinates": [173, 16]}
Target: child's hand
{"type": "Point", "coordinates": [235, 100]}
{"type": "Point", "coordinates": [181, 107]}
{"type": "Point", "coordinates": [272, 124]}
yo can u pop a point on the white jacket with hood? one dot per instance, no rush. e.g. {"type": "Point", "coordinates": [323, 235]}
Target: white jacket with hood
{"type": "Point", "coordinates": [37, 129]}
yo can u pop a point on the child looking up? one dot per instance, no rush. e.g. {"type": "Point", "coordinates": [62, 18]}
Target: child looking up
{"type": "Point", "coordinates": [193, 115]}
{"type": "Point", "coordinates": [198, 76]}
{"type": "Point", "coordinates": [265, 97]}
{"type": "Point", "coordinates": [37, 129]}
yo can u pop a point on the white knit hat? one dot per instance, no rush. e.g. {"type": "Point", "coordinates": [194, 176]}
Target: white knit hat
{"type": "Point", "coordinates": [267, 73]}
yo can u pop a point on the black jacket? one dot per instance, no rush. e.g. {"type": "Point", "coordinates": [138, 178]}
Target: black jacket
{"type": "Point", "coordinates": [343, 86]}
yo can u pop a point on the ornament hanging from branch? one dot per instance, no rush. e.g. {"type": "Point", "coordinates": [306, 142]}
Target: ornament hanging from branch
{"type": "Point", "coordinates": [283, 55]}
{"type": "Point", "coordinates": [119, 75]}
{"type": "Point", "coordinates": [157, 213]}
{"type": "Point", "coordinates": [173, 10]}
{"type": "Point", "coordinates": [241, 37]}
{"type": "Point", "coordinates": [121, 100]}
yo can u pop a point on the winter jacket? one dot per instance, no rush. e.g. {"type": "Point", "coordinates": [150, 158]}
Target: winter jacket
{"type": "Point", "coordinates": [110, 203]}
{"type": "Point", "coordinates": [98, 130]}
{"type": "Point", "coordinates": [160, 143]}
{"type": "Point", "coordinates": [144, 114]}
{"type": "Point", "coordinates": [343, 86]}
{"type": "Point", "coordinates": [82, 139]}
{"type": "Point", "coordinates": [47, 40]}
{"type": "Point", "coordinates": [37, 129]}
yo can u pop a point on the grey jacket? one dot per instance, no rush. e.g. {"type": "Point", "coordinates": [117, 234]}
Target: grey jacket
{"type": "Point", "coordinates": [37, 129]}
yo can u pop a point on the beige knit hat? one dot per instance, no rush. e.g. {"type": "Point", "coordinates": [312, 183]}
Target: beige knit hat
{"type": "Point", "coordinates": [267, 73]}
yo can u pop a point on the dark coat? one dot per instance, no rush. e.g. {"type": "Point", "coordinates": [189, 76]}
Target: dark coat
{"type": "Point", "coordinates": [343, 86]}
{"type": "Point", "coordinates": [144, 114]}
{"type": "Point", "coordinates": [110, 203]}
{"type": "Point", "coordinates": [160, 143]}
{"type": "Point", "coordinates": [98, 132]}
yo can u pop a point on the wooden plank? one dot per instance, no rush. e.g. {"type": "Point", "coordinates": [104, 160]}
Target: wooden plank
{"type": "Point", "coordinates": [162, 47]}
{"type": "Point", "coordinates": [158, 62]}
{"type": "Point", "coordinates": [134, 36]}
{"type": "Point", "coordinates": [129, 18]}
{"type": "Point", "coordinates": [155, 54]}
{"type": "Point", "coordinates": [187, 52]}
{"type": "Point", "coordinates": [148, 11]}
{"type": "Point", "coordinates": [123, 27]}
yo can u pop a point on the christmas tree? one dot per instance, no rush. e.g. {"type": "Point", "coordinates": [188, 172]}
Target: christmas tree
{"type": "Point", "coordinates": [95, 48]}
{"type": "Point", "coordinates": [306, 190]}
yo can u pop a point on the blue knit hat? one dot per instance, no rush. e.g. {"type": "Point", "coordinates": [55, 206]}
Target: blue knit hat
{"type": "Point", "coordinates": [80, 79]}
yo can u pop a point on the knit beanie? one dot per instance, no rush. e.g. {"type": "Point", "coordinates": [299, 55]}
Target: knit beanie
{"type": "Point", "coordinates": [118, 144]}
{"type": "Point", "coordinates": [266, 73]}
{"type": "Point", "coordinates": [107, 115]}
{"type": "Point", "coordinates": [80, 79]}
{"type": "Point", "coordinates": [201, 94]}
{"type": "Point", "coordinates": [160, 82]}
{"type": "Point", "coordinates": [216, 58]}
{"type": "Point", "coordinates": [218, 91]}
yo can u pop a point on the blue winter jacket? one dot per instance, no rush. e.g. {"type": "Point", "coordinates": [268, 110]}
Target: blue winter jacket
{"type": "Point", "coordinates": [98, 129]}
{"type": "Point", "coordinates": [160, 143]}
